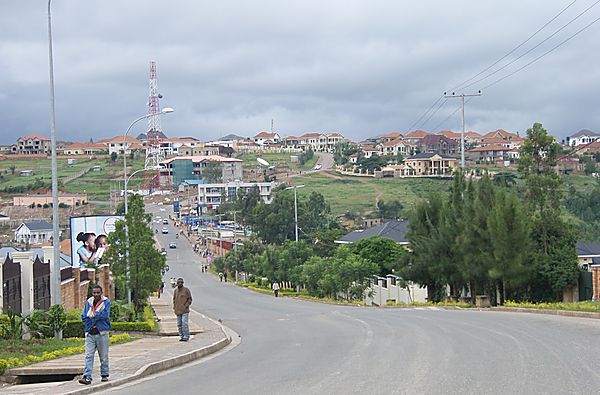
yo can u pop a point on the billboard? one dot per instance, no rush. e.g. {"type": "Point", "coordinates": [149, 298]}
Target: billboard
{"type": "Point", "coordinates": [97, 224]}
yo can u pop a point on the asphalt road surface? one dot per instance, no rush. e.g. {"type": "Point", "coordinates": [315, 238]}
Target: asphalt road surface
{"type": "Point", "coordinates": [298, 347]}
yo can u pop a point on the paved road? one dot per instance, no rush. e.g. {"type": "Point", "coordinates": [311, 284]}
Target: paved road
{"type": "Point", "coordinates": [297, 347]}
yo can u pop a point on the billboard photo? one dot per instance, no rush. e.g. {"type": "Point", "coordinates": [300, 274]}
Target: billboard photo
{"type": "Point", "coordinates": [97, 224]}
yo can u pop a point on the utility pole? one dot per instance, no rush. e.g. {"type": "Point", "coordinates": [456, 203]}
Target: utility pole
{"type": "Point", "coordinates": [295, 188]}
{"type": "Point", "coordinates": [462, 132]}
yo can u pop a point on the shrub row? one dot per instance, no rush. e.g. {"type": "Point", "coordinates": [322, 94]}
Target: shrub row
{"type": "Point", "coordinates": [30, 359]}
{"type": "Point", "coordinates": [587, 305]}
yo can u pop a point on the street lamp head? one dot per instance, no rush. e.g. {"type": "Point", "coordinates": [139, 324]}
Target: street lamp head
{"type": "Point", "coordinates": [167, 110]}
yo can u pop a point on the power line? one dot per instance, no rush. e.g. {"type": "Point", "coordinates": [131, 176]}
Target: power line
{"type": "Point", "coordinates": [515, 48]}
{"type": "Point", "coordinates": [544, 54]}
{"type": "Point", "coordinates": [451, 114]}
{"type": "Point", "coordinates": [533, 48]}
{"type": "Point", "coordinates": [433, 113]}
{"type": "Point", "coordinates": [425, 113]}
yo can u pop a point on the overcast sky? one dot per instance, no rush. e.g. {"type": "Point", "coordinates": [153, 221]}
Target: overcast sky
{"type": "Point", "coordinates": [357, 67]}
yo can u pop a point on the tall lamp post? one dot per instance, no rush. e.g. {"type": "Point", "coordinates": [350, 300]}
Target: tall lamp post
{"type": "Point", "coordinates": [55, 219]}
{"type": "Point", "coordinates": [295, 188]}
{"type": "Point", "coordinates": [165, 110]}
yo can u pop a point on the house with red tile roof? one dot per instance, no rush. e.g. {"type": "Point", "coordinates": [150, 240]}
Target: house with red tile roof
{"type": "Point", "coordinates": [397, 146]}
{"type": "Point", "coordinates": [32, 144]}
{"type": "Point", "coordinates": [490, 153]}
{"type": "Point", "coordinates": [83, 149]}
{"type": "Point", "coordinates": [438, 144]}
{"type": "Point", "coordinates": [415, 136]}
{"type": "Point", "coordinates": [450, 134]}
{"type": "Point", "coordinates": [501, 133]}
{"type": "Point", "coordinates": [389, 137]}
{"type": "Point", "coordinates": [262, 137]}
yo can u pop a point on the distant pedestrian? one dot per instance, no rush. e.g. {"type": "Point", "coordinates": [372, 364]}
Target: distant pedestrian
{"type": "Point", "coordinates": [221, 277]}
{"type": "Point", "coordinates": [96, 319]}
{"type": "Point", "coordinates": [275, 288]}
{"type": "Point", "coordinates": [225, 276]}
{"type": "Point", "coordinates": [161, 289]}
{"type": "Point", "coordinates": [182, 300]}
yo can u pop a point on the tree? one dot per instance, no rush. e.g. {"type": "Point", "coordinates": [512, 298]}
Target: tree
{"type": "Point", "coordinates": [375, 162]}
{"type": "Point", "coordinates": [145, 262]}
{"type": "Point", "coordinates": [388, 255]}
{"type": "Point", "coordinates": [12, 169]}
{"type": "Point", "coordinates": [554, 253]}
{"type": "Point", "coordinates": [390, 210]}
{"type": "Point", "coordinates": [212, 172]}
{"type": "Point", "coordinates": [342, 152]}
{"type": "Point", "coordinates": [113, 157]}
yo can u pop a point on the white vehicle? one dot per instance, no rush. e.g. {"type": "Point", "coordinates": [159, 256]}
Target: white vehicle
{"type": "Point", "coordinates": [162, 208]}
{"type": "Point", "coordinates": [318, 166]}
{"type": "Point", "coordinates": [165, 230]}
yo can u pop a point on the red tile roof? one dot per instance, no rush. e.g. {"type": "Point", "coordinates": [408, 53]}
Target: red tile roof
{"type": "Point", "coordinates": [394, 142]}
{"type": "Point", "coordinates": [34, 137]}
{"type": "Point", "coordinates": [392, 135]}
{"type": "Point", "coordinates": [502, 134]}
{"type": "Point", "coordinates": [450, 134]}
{"type": "Point", "coordinates": [417, 134]}
{"type": "Point", "coordinates": [265, 135]}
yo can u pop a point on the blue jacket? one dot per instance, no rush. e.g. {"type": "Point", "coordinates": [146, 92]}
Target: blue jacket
{"type": "Point", "coordinates": [101, 318]}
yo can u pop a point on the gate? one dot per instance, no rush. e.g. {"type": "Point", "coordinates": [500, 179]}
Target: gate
{"type": "Point", "coordinates": [41, 285]}
{"type": "Point", "coordinates": [585, 286]}
{"type": "Point", "coordinates": [11, 287]}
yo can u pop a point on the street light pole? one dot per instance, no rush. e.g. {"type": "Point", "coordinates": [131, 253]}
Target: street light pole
{"type": "Point", "coordinates": [165, 110]}
{"type": "Point", "coordinates": [295, 187]}
{"type": "Point", "coordinates": [55, 215]}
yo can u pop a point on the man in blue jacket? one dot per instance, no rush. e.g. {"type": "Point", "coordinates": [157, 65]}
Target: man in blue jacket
{"type": "Point", "coordinates": [96, 317]}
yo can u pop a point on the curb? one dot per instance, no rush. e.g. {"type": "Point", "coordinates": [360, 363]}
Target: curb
{"type": "Point", "coordinates": [159, 366]}
{"type": "Point", "coordinates": [563, 313]}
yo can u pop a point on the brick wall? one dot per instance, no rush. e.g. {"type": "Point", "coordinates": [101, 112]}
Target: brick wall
{"type": "Point", "coordinates": [74, 291]}
{"type": "Point", "coordinates": [67, 292]}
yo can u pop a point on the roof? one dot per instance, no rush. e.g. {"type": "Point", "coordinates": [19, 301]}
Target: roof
{"type": "Point", "coordinates": [98, 146]}
{"type": "Point", "coordinates": [433, 139]}
{"type": "Point", "coordinates": [369, 148]}
{"type": "Point", "coordinates": [33, 137]}
{"type": "Point", "coordinates": [38, 225]}
{"type": "Point", "coordinates": [180, 140]}
{"type": "Point", "coordinates": [232, 137]}
{"type": "Point", "coordinates": [309, 135]}
{"type": "Point", "coordinates": [584, 132]}
{"type": "Point", "coordinates": [119, 140]}
{"type": "Point", "coordinates": [265, 135]}
{"type": "Point", "coordinates": [491, 147]}
{"type": "Point", "coordinates": [429, 155]}
{"type": "Point", "coordinates": [394, 142]}
{"type": "Point", "coordinates": [472, 134]}
{"type": "Point", "coordinates": [501, 133]}
{"type": "Point", "coordinates": [594, 147]}
{"type": "Point", "coordinates": [395, 230]}
{"type": "Point", "coordinates": [417, 134]}
{"type": "Point", "coordinates": [202, 158]}
{"type": "Point", "coordinates": [50, 195]}
{"type": "Point", "coordinates": [587, 249]}
{"type": "Point", "coordinates": [288, 138]}
{"type": "Point", "coordinates": [450, 134]}
{"type": "Point", "coordinates": [195, 182]}
{"type": "Point", "coordinates": [392, 135]}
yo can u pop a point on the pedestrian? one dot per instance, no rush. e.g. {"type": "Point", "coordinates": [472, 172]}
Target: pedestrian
{"type": "Point", "coordinates": [275, 288]}
{"type": "Point", "coordinates": [225, 276]}
{"type": "Point", "coordinates": [182, 299]}
{"type": "Point", "coordinates": [96, 319]}
{"type": "Point", "coordinates": [161, 289]}
{"type": "Point", "coordinates": [221, 277]}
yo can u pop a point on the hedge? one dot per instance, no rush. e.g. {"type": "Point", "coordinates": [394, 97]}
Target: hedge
{"type": "Point", "coordinates": [586, 305]}
{"type": "Point", "coordinates": [65, 352]}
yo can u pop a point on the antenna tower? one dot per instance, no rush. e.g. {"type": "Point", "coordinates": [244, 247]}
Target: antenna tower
{"type": "Point", "coordinates": [153, 153]}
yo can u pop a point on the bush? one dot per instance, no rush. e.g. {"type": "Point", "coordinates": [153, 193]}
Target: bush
{"type": "Point", "coordinates": [587, 305]}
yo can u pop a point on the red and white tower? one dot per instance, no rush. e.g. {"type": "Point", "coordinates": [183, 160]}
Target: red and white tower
{"type": "Point", "coordinates": [154, 155]}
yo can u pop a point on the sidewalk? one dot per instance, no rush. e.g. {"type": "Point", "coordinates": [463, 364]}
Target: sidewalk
{"type": "Point", "coordinates": [134, 360]}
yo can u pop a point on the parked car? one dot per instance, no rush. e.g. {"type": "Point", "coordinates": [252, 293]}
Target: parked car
{"type": "Point", "coordinates": [163, 251]}
{"type": "Point", "coordinates": [318, 166]}
{"type": "Point", "coordinates": [165, 221]}
{"type": "Point", "coordinates": [172, 245]}
{"type": "Point", "coordinates": [165, 230]}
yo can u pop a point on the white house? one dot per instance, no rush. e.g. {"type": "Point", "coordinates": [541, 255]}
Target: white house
{"type": "Point", "coordinates": [584, 136]}
{"type": "Point", "coordinates": [34, 232]}
{"type": "Point", "coordinates": [211, 195]}
{"type": "Point", "coordinates": [264, 137]}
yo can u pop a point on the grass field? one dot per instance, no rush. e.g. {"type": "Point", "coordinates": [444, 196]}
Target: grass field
{"type": "Point", "coordinates": [279, 160]}
{"type": "Point", "coordinates": [359, 195]}
{"type": "Point", "coordinates": [96, 184]}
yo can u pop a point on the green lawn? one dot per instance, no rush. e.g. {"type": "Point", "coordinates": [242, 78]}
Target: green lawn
{"type": "Point", "coordinates": [359, 195]}
{"type": "Point", "coordinates": [20, 348]}
{"type": "Point", "coordinates": [277, 159]}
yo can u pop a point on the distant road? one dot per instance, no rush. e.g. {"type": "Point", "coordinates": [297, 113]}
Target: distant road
{"type": "Point", "coordinates": [291, 346]}
{"type": "Point", "coordinates": [325, 159]}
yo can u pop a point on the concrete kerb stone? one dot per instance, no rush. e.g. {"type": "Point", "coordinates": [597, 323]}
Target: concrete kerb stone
{"type": "Point", "coordinates": [564, 313]}
{"type": "Point", "coordinates": [156, 367]}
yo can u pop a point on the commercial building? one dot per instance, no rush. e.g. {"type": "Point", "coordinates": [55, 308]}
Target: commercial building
{"type": "Point", "coordinates": [211, 195]}
{"type": "Point", "coordinates": [210, 167]}
{"type": "Point", "coordinates": [71, 199]}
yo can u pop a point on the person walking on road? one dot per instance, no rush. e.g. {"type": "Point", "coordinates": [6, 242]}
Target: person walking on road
{"type": "Point", "coordinates": [96, 319]}
{"type": "Point", "coordinates": [220, 277]}
{"type": "Point", "coordinates": [225, 276]}
{"type": "Point", "coordinates": [275, 288]}
{"type": "Point", "coordinates": [161, 289]}
{"type": "Point", "coordinates": [182, 300]}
